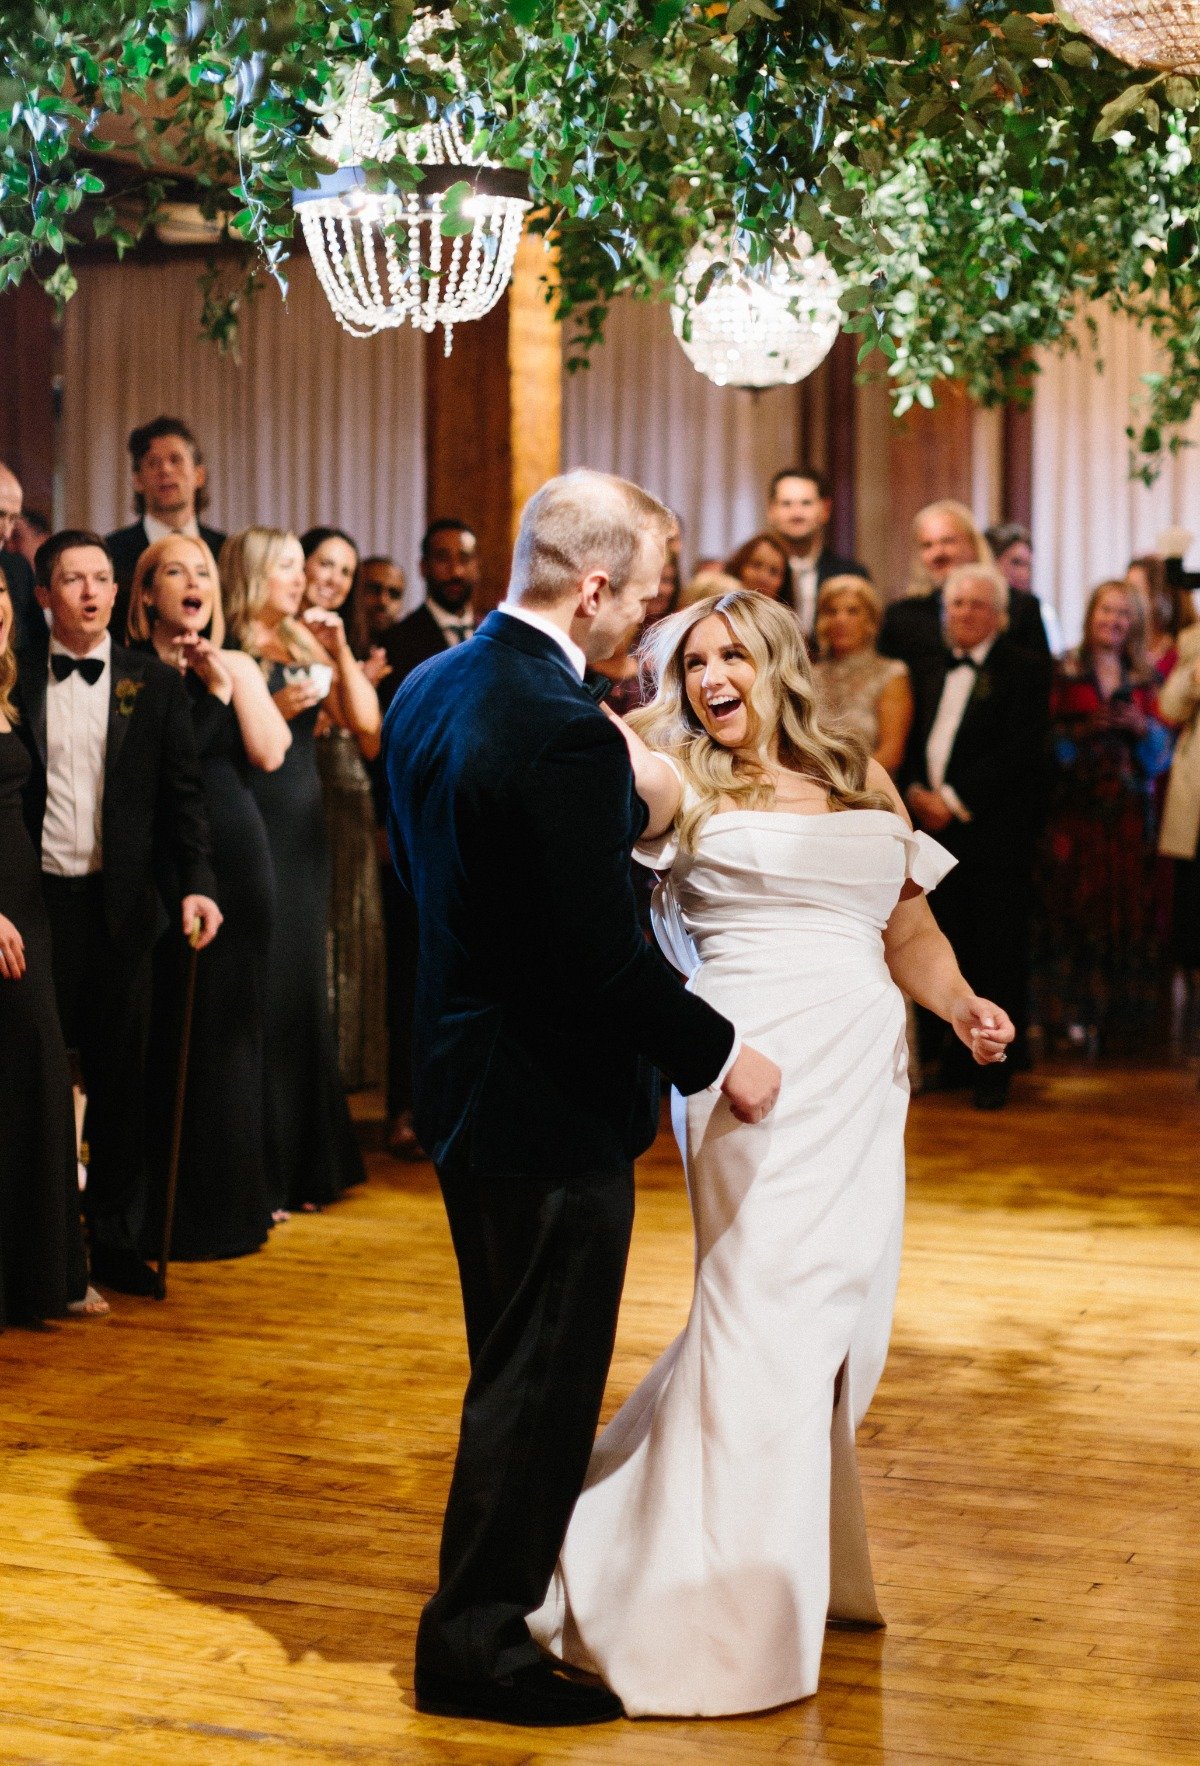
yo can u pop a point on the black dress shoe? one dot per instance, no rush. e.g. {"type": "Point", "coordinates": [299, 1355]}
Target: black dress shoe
{"type": "Point", "coordinates": [537, 1697]}
{"type": "Point", "coordinates": [123, 1271]}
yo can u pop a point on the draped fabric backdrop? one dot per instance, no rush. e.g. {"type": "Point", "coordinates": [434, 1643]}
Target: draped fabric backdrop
{"type": "Point", "coordinates": [314, 426]}
{"type": "Point", "coordinates": [643, 411]}
{"type": "Point", "coordinates": [1089, 517]}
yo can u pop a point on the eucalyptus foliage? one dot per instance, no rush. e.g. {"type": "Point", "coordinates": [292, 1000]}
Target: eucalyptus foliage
{"type": "Point", "coordinates": [975, 171]}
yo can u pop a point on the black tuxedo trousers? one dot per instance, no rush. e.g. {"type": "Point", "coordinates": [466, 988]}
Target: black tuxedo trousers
{"type": "Point", "coordinates": [103, 988]}
{"type": "Point", "coordinates": [542, 1265]}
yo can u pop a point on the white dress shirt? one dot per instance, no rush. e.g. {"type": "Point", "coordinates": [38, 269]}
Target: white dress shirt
{"type": "Point", "coordinates": [804, 591]}
{"type": "Point", "coordinates": [158, 530]}
{"type": "Point", "coordinates": [456, 627]}
{"type": "Point", "coordinates": [540, 623]}
{"type": "Point", "coordinates": [956, 691]}
{"type": "Point", "coordinates": [76, 745]}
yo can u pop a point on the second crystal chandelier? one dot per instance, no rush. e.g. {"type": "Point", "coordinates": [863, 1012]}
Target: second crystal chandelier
{"type": "Point", "coordinates": [757, 326]}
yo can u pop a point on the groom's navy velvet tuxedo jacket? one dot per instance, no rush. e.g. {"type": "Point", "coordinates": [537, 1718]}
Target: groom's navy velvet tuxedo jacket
{"type": "Point", "coordinates": [540, 1008]}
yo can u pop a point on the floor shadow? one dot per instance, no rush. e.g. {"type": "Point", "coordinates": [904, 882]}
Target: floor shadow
{"type": "Point", "coordinates": [324, 1558]}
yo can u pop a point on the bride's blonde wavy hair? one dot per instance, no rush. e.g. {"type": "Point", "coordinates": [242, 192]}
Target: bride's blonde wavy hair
{"type": "Point", "coordinates": [783, 698]}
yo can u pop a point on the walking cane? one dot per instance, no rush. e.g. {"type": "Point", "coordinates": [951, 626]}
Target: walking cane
{"type": "Point", "coordinates": [185, 1038]}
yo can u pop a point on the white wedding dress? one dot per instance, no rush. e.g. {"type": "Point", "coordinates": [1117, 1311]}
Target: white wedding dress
{"type": "Point", "coordinates": [721, 1523]}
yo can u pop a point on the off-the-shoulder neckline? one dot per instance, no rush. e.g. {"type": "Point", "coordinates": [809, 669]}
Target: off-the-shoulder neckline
{"type": "Point", "coordinates": [791, 815]}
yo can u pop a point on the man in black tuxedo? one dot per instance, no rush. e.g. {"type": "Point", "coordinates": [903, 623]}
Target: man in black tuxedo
{"type": "Point", "coordinates": [975, 778]}
{"type": "Point", "coordinates": [170, 486]}
{"type": "Point", "coordinates": [513, 815]}
{"type": "Point", "coordinates": [30, 638]}
{"type": "Point", "coordinates": [799, 511]}
{"type": "Point", "coordinates": [446, 617]}
{"type": "Point", "coordinates": [945, 537]}
{"type": "Point", "coordinates": [114, 797]}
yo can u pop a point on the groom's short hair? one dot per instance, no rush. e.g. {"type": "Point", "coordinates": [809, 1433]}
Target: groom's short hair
{"type": "Point", "coordinates": [577, 523]}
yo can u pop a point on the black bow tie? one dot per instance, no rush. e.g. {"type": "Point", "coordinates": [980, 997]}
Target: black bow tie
{"type": "Point", "coordinates": [960, 659]}
{"type": "Point", "coordinates": [90, 667]}
{"type": "Point", "coordinates": [597, 686]}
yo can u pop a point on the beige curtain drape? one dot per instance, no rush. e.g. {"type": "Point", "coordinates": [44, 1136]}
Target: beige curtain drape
{"type": "Point", "coordinates": [643, 411]}
{"type": "Point", "coordinates": [312, 426]}
{"type": "Point", "coordinates": [1089, 516]}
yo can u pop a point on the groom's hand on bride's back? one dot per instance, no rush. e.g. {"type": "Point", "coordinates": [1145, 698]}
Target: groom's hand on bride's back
{"type": "Point", "coordinates": [752, 1086]}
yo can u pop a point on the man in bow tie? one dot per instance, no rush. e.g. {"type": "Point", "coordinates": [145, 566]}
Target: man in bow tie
{"type": "Point", "coordinates": [115, 806]}
{"type": "Point", "coordinates": [975, 776]}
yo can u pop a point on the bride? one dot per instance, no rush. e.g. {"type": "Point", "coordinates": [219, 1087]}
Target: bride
{"type": "Point", "coordinates": [721, 1524]}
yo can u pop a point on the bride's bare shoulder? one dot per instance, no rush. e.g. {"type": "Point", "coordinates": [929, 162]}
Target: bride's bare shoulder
{"type": "Point", "coordinates": [879, 779]}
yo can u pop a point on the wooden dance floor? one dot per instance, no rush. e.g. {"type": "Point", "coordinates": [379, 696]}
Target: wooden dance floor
{"type": "Point", "coordinates": [218, 1516]}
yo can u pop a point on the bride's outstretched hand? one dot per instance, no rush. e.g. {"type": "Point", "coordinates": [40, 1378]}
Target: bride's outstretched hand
{"type": "Point", "coordinates": [986, 1029]}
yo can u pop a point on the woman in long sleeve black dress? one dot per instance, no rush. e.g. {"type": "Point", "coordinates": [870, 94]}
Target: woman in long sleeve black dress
{"type": "Point", "coordinates": [43, 1269]}
{"type": "Point", "coordinates": [222, 1207]}
{"type": "Point", "coordinates": [308, 664]}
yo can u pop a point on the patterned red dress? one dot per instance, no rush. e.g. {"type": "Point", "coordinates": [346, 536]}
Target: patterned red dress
{"type": "Point", "coordinates": [1098, 895]}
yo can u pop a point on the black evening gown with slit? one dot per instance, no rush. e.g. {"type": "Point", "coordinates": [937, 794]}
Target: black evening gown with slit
{"type": "Point", "coordinates": [222, 1207]}
{"type": "Point", "coordinates": [42, 1262]}
{"type": "Point", "coordinates": [312, 1151]}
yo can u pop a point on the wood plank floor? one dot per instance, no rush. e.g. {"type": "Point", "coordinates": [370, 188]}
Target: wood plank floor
{"type": "Point", "coordinates": [218, 1517]}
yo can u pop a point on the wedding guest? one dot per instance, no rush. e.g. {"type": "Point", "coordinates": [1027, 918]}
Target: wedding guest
{"type": "Point", "coordinates": [764, 565]}
{"type": "Point", "coordinates": [170, 492]}
{"type": "Point", "coordinates": [1012, 549]}
{"type": "Point", "coordinates": [799, 510]}
{"type": "Point", "coordinates": [863, 690]}
{"type": "Point", "coordinates": [355, 954]}
{"type": "Point", "coordinates": [312, 1153]}
{"type": "Point", "coordinates": [381, 590]}
{"type": "Point", "coordinates": [29, 639]}
{"type": "Point", "coordinates": [944, 537]}
{"type": "Point", "coordinates": [29, 530]}
{"type": "Point", "coordinates": [114, 802]}
{"type": "Point", "coordinates": [1098, 900]}
{"type": "Point", "coordinates": [222, 1207]}
{"type": "Point", "coordinates": [1167, 611]}
{"type": "Point", "coordinates": [1179, 706]}
{"type": "Point", "coordinates": [446, 616]}
{"type": "Point", "coordinates": [43, 1268]}
{"type": "Point", "coordinates": [973, 778]}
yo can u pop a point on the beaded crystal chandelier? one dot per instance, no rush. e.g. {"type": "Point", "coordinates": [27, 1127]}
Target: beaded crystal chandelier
{"type": "Point", "coordinates": [768, 325]}
{"type": "Point", "coordinates": [437, 253]}
{"type": "Point", "coordinates": [1146, 33]}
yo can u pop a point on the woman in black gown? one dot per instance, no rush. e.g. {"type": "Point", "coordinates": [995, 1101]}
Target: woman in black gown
{"type": "Point", "coordinates": [43, 1269]}
{"type": "Point", "coordinates": [222, 1207]}
{"type": "Point", "coordinates": [307, 663]}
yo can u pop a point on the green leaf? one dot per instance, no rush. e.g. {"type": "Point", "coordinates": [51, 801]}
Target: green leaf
{"type": "Point", "coordinates": [1119, 109]}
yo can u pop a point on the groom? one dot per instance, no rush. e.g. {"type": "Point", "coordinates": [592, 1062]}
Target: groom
{"type": "Point", "coordinates": [513, 813]}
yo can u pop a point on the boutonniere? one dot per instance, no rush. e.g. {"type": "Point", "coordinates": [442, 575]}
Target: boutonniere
{"type": "Point", "coordinates": [983, 685]}
{"type": "Point", "coordinates": [127, 692]}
